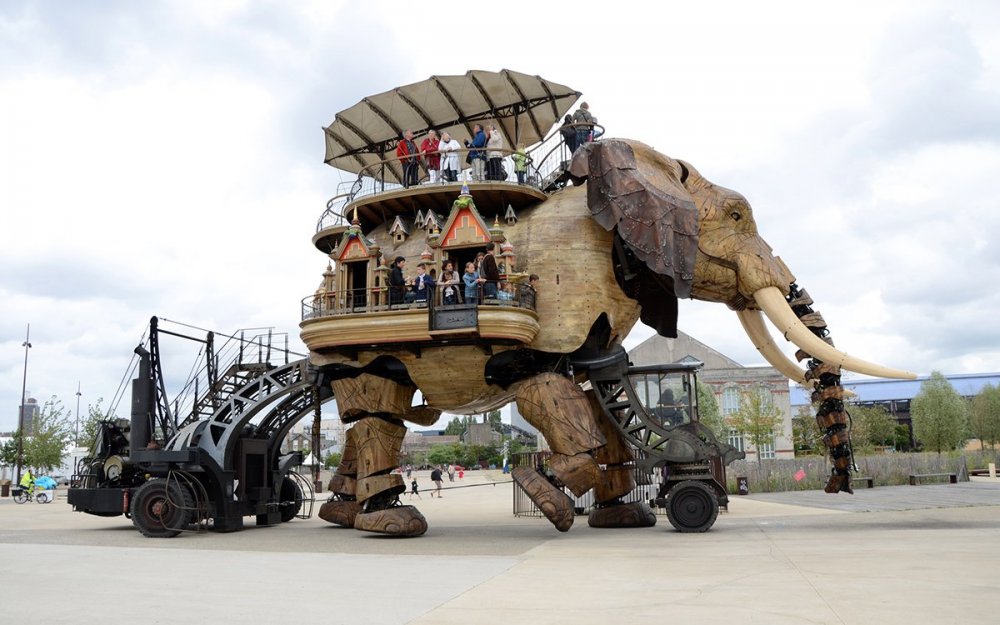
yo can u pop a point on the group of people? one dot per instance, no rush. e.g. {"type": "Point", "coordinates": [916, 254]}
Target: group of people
{"type": "Point", "coordinates": [481, 281]}
{"type": "Point", "coordinates": [437, 476]}
{"type": "Point", "coordinates": [440, 156]}
{"type": "Point", "coordinates": [579, 128]}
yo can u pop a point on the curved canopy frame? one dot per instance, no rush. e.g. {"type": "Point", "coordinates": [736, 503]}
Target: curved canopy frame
{"type": "Point", "coordinates": [524, 108]}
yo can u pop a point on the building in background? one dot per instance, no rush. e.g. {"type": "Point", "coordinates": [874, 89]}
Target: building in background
{"type": "Point", "coordinates": [895, 395]}
{"type": "Point", "coordinates": [28, 412]}
{"type": "Point", "coordinates": [331, 436]}
{"type": "Point", "coordinates": [481, 434]}
{"type": "Point", "coordinates": [728, 379]}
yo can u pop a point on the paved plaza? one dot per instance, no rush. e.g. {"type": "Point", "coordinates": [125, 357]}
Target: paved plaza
{"type": "Point", "coordinates": [925, 554]}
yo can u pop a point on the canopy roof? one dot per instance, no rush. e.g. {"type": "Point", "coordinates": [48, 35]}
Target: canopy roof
{"type": "Point", "coordinates": [524, 108]}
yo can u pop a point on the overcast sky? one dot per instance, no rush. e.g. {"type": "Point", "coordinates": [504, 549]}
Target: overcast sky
{"type": "Point", "coordinates": [167, 157]}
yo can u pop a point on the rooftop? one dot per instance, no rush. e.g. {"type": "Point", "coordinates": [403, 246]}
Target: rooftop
{"type": "Point", "coordinates": [879, 389]}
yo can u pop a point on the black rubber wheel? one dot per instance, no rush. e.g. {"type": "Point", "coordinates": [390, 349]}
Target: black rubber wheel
{"type": "Point", "coordinates": [290, 498]}
{"type": "Point", "coordinates": [20, 496]}
{"type": "Point", "coordinates": [160, 509]}
{"type": "Point", "coordinates": [692, 506]}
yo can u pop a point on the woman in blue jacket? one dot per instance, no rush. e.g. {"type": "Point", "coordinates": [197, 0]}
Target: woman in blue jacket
{"type": "Point", "coordinates": [477, 158]}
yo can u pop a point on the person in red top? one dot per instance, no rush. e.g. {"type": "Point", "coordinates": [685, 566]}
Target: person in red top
{"type": "Point", "coordinates": [408, 157]}
{"type": "Point", "coordinates": [432, 158]}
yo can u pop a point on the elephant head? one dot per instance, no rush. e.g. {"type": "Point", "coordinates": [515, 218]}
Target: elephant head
{"type": "Point", "coordinates": [678, 235]}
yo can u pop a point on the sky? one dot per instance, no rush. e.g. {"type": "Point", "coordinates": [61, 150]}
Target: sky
{"type": "Point", "coordinates": [166, 158]}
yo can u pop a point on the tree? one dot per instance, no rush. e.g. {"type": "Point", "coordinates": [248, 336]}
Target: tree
{"type": "Point", "coordinates": [984, 416]}
{"type": "Point", "coordinates": [46, 449]}
{"type": "Point", "coordinates": [332, 460]}
{"type": "Point", "coordinates": [806, 437]}
{"type": "Point", "coordinates": [88, 429]}
{"type": "Point", "coordinates": [939, 414]}
{"type": "Point", "coordinates": [756, 418]}
{"type": "Point", "coordinates": [8, 451]}
{"type": "Point", "coordinates": [871, 426]}
{"type": "Point", "coordinates": [443, 454]}
{"type": "Point", "coordinates": [709, 413]}
{"type": "Point", "coordinates": [493, 418]}
{"type": "Point", "coordinates": [458, 425]}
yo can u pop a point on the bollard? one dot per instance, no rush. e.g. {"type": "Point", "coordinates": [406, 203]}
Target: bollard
{"type": "Point", "coordinates": [993, 470]}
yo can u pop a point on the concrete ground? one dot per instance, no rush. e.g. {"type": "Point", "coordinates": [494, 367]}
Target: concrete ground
{"type": "Point", "coordinates": [925, 554]}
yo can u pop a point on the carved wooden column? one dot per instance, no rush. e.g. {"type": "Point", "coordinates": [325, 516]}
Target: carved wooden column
{"type": "Point", "coordinates": [378, 405]}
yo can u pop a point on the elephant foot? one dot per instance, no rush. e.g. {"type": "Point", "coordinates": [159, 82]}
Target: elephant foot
{"type": "Point", "coordinates": [554, 504]}
{"type": "Point", "coordinates": [635, 514]}
{"type": "Point", "coordinates": [340, 512]}
{"type": "Point", "coordinates": [579, 473]}
{"type": "Point", "coordinates": [839, 483]}
{"type": "Point", "coordinates": [398, 521]}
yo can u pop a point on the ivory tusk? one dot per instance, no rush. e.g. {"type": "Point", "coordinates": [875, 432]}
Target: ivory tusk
{"type": "Point", "coordinates": [753, 323]}
{"type": "Point", "coordinates": [773, 303]}
{"type": "Point", "coordinates": [756, 329]}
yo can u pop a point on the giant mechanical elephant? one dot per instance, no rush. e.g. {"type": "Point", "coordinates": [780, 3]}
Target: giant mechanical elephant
{"type": "Point", "coordinates": [646, 230]}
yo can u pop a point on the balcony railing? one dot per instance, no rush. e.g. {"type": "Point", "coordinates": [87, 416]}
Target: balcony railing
{"type": "Point", "coordinates": [439, 297]}
{"type": "Point", "coordinates": [549, 162]}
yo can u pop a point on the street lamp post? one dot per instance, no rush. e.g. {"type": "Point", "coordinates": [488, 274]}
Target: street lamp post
{"type": "Point", "coordinates": [24, 391]}
{"type": "Point", "coordinates": [77, 443]}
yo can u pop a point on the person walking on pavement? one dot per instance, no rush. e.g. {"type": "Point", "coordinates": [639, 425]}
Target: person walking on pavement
{"type": "Point", "coordinates": [436, 478]}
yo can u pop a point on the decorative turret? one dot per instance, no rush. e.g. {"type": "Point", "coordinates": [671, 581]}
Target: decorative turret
{"type": "Point", "coordinates": [496, 231]}
{"type": "Point", "coordinates": [328, 276]}
{"type": "Point", "coordinates": [434, 238]}
{"type": "Point", "coordinates": [507, 256]}
{"type": "Point", "coordinates": [510, 216]}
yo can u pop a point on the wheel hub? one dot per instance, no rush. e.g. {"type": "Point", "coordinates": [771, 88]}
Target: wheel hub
{"type": "Point", "coordinates": [159, 507]}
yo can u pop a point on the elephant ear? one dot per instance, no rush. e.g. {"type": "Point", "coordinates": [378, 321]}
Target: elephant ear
{"type": "Point", "coordinates": [654, 216]}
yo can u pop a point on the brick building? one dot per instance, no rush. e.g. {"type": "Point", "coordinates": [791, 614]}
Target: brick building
{"type": "Point", "coordinates": [727, 379]}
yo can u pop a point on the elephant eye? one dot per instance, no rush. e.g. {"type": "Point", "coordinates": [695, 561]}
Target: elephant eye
{"type": "Point", "coordinates": [735, 215]}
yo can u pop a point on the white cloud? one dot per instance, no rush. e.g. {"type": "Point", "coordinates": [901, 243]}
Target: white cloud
{"type": "Point", "coordinates": [166, 158]}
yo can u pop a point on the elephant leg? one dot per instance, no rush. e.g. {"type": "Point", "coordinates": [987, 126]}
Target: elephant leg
{"type": "Point", "coordinates": [343, 505]}
{"type": "Point", "coordinates": [828, 393]}
{"type": "Point", "coordinates": [563, 415]}
{"type": "Point", "coordinates": [617, 480]}
{"type": "Point", "coordinates": [832, 419]}
{"type": "Point", "coordinates": [376, 403]}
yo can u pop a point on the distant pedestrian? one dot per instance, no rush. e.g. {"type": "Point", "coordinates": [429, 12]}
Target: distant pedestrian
{"type": "Point", "coordinates": [436, 478]}
{"type": "Point", "coordinates": [451, 473]}
{"type": "Point", "coordinates": [414, 490]}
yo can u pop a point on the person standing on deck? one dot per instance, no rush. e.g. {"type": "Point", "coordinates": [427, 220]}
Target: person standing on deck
{"type": "Point", "coordinates": [397, 283]}
{"type": "Point", "coordinates": [521, 162]}
{"type": "Point", "coordinates": [583, 116]}
{"type": "Point", "coordinates": [477, 158]}
{"type": "Point", "coordinates": [408, 156]}
{"type": "Point", "coordinates": [490, 272]}
{"type": "Point", "coordinates": [449, 148]}
{"type": "Point", "coordinates": [494, 164]}
{"type": "Point", "coordinates": [568, 134]}
{"type": "Point", "coordinates": [432, 158]}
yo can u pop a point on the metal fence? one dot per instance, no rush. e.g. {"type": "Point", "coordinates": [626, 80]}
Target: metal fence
{"type": "Point", "coordinates": [646, 488]}
{"type": "Point", "coordinates": [892, 469]}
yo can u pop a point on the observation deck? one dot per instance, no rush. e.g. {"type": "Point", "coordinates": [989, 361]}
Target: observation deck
{"type": "Point", "coordinates": [374, 219]}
